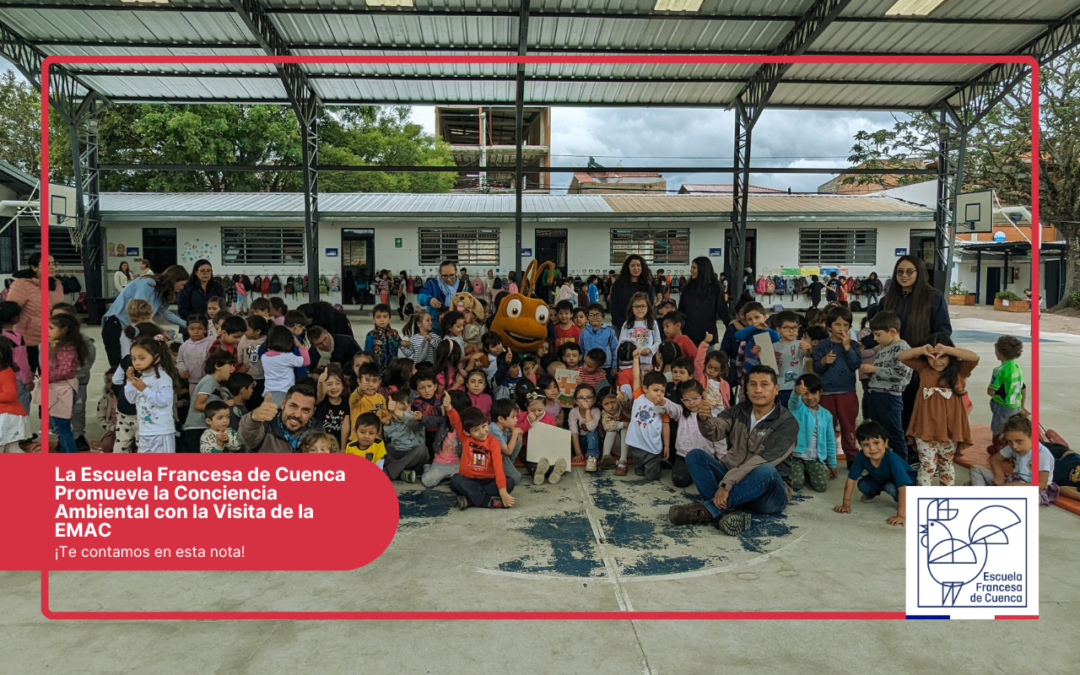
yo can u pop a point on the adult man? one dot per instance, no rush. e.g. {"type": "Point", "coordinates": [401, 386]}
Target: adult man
{"type": "Point", "coordinates": [755, 474]}
{"type": "Point", "coordinates": [331, 348]}
{"type": "Point", "coordinates": [437, 292]}
{"type": "Point", "coordinates": [270, 429]}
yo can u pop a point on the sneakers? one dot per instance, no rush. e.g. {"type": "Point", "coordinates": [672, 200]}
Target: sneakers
{"type": "Point", "coordinates": [541, 470]}
{"type": "Point", "coordinates": [733, 523]}
{"type": "Point", "coordinates": [81, 445]}
{"type": "Point", "coordinates": [496, 503]}
{"type": "Point", "coordinates": [621, 469]}
{"type": "Point", "coordinates": [590, 464]}
{"type": "Point", "coordinates": [408, 475]}
{"type": "Point", "coordinates": [607, 462]}
{"type": "Point", "coordinates": [689, 514]}
{"type": "Point", "coordinates": [557, 474]}
{"type": "Point", "coordinates": [462, 503]}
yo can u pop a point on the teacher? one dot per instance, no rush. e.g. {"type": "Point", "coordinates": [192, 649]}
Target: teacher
{"type": "Point", "coordinates": [702, 302]}
{"type": "Point", "coordinates": [25, 291]}
{"type": "Point", "coordinates": [201, 286]}
{"type": "Point", "coordinates": [438, 291]}
{"type": "Point", "coordinates": [634, 277]}
{"type": "Point", "coordinates": [158, 290]}
{"type": "Point", "coordinates": [122, 277]}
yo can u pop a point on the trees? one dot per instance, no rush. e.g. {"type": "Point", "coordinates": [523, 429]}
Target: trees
{"type": "Point", "coordinates": [999, 152]}
{"type": "Point", "coordinates": [227, 134]}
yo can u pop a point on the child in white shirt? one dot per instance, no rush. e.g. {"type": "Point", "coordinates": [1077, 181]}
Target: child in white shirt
{"type": "Point", "coordinates": [151, 382]}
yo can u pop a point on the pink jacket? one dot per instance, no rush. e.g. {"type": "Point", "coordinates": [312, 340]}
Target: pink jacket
{"type": "Point", "coordinates": [63, 384]}
{"type": "Point", "coordinates": [26, 293]}
{"type": "Point", "coordinates": [19, 355]}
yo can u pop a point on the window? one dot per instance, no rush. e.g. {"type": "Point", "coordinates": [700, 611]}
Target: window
{"type": "Point", "coordinates": [657, 247]}
{"type": "Point", "coordinates": [838, 247]}
{"type": "Point", "coordinates": [60, 246]}
{"type": "Point", "coordinates": [465, 246]}
{"type": "Point", "coordinates": [262, 246]}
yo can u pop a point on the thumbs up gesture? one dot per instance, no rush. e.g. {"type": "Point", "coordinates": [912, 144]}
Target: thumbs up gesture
{"type": "Point", "coordinates": [267, 411]}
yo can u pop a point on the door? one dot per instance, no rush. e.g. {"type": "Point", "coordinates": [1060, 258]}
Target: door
{"type": "Point", "coordinates": [551, 245]}
{"type": "Point", "coordinates": [357, 262]}
{"type": "Point", "coordinates": [159, 247]}
{"type": "Point", "coordinates": [993, 283]}
{"type": "Point", "coordinates": [922, 247]}
{"type": "Point", "coordinates": [1053, 282]}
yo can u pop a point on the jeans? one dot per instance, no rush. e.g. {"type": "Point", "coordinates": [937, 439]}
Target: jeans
{"type": "Point", "coordinates": [1000, 414]}
{"type": "Point", "coordinates": [761, 491]}
{"type": "Point", "coordinates": [479, 491]}
{"type": "Point", "coordinates": [62, 427]}
{"type": "Point", "coordinates": [110, 336]}
{"type": "Point", "coordinates": [591, 441]}
{"type": "Point", "coordinates": [509, 469]}
{"type": "Point", "coordinates": [871, 487]}
{"type": "Point", "coordinates": [888, 410]}
{"type": "Point", "coordinates": [680, 472]}
{"type": "Point", "coordinates": [871, 298]}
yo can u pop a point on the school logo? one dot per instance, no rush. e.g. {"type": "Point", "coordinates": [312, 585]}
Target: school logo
{"type": "Point", "coordinates": [972, 553]}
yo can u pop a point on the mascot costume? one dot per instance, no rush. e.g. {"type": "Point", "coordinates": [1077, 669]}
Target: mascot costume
{"type": "Point", "coordinates": [521, 320]}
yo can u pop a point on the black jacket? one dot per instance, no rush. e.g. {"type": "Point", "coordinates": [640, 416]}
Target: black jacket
{"type": "Point", "coordinates": [192, 298]}
{"type": "Point", "coordinates": [702, 311]}
{"type": "Point", "coordinates": [939, 318]}
{"type": "Point", "coordinates": [345, 348]}
{"type": "Point", "coordinates": [620, 300]}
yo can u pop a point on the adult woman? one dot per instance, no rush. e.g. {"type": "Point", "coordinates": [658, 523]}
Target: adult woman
{"type": "Point", "coordinates": [873, 288]}
{"type": "Point", "coordinates": [922, 311]}
{"type": "Point", "coordinates": [201, 286]}
{"type": "Point", "coordinates": [122, 277]}
{"type": "Point", "coordinates": [144, 268]}
{"type": "Point", "coordinates": [25, 291]}
{"type": "Point", "coordinates": [702, 302]}
{"type": "Point", "coordinates": [324, 315]}
{"type": "Point", "coordinates": [158, 290]}
{"type": "Point", "coordinates": [634, 277]}
{"type": "Point", "coordinates": [489, 282]}
{"type": "Point", "coordinates": [402, 290]}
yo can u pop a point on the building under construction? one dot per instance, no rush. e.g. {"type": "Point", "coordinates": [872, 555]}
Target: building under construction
{"type": "Point", "coordinates": [483, 138]}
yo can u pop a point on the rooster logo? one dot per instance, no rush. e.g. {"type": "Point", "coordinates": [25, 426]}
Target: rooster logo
{"type": "Point", "coordinates": [954, 562]}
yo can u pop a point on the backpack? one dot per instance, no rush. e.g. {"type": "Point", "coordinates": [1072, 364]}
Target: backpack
{"type": "Point", "coordinates": [81, 305]}
{"type": "Point", "coordinates": [275, 284]}
{"type": "Point", "coordinates": [781, 285]}
{"type": "Point", "coordinates": [264, 286]}
{"type": "Point", "coordinates": [304, 284]}
{"type": "Point", "coordinates": [409, 285]}
{"type": "Point", "coordinates": [335, 284]}
{"type": "Point", "coordinates": [290, 287]}
{"type": "Point", "coordinates": [855, 306]}
{"type": "Point", "coordinates": [770, 287]}
{"type": "Point", "coordinates": [760, 286]}
{"type": "Point", "coordinates": [324, 284]}
{"type": "Point", "coordinates": [417, 283]}
{"type": "Point", "coordinates": [799, 287]}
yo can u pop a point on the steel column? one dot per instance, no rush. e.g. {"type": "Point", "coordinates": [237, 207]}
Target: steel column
{"type": "Point", "coordinates": [952, 141]}
{"type": "Point", "coordinates": [309, 129]}
{"type": "Point", "coordinates": [519, 136]}
{"type": "Point", "coordinates": [736, 257]}
{"type": "Point", "coordinates": [978, 277]}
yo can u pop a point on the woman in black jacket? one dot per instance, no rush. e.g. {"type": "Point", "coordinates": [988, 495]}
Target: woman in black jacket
{"type": "Point", "coordinates": [702, 302]}
{"type": "Point", "coordinates": [200, 287]}
{"type": "Point", "coordinates": [635, 277]}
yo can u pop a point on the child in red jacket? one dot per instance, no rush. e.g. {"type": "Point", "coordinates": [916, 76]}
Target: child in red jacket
{"type": "Point", "coordinates": [480, 480]}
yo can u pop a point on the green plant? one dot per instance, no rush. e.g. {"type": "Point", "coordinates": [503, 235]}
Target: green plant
{"type": "Point", "coordinates": [957, 288]}
{"type": "Point", "coordinates": [1007, 295]}
{"type": "Point", "coordinates": [1074, 299]}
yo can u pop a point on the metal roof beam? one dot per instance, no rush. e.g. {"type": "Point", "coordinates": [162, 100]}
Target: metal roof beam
{"type": "Point", "coordinates": [984, 91]}
{"type": "Point", "coordinates": [519, 133]}
{"type": "Point", "coordinates": [302, 95]}
{"type": "Point", "coordinates": [63, 86]}
{"type": "Point", "coordinates": [755, 95]}
{"type": "Point", "coordinates": [238, 168]}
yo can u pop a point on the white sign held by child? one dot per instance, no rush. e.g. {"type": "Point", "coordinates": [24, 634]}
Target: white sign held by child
{"type": "Point", "coordinates": [549, 442]}
{"type": "Point", "coordinates": [767, 355]}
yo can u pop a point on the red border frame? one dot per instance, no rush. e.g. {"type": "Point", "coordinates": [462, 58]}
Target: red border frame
{"type": "Point", "coordinates": [322, 616]}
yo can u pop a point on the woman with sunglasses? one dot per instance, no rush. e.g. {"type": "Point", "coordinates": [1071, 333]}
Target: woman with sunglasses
{"type": "Point", "coordinates": [439, 290]}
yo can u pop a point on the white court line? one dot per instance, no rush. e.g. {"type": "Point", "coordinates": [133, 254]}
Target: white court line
{"type": "Point", "coordinates": [601, 542]}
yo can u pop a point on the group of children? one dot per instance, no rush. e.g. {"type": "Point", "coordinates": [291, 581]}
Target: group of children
{"type": "Point", "coordinates": [456, 404]}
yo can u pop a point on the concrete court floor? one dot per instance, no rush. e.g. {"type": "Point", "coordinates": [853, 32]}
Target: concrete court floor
{"type": "Point", "coordinates": [586, 544]}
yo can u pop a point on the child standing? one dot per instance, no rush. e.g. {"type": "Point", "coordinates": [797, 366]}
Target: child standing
{"type": "Point", "coordinates": [452, 327]}
{"type": "Point", "coordinates": [565, 330]}
{"type": "Point", "coordinates": [649, 433]}
{"type": "Point", "coordinates": [218, 437]}
{"type": "Point", "coordinates": [233, 329]}
{"type": "Point", "coordinates": [888, 379]}
{"type": "Point", "coordinates": [422, 341]}
{"type": "Point", "coordinates": [250, 358]}
{"type": "Point", "coordinates": [283, 353]}
{"type": "Point", "coordinates": [640, 328]}
{"type": "Point", "coordinates": [9, 316]}
{"type": "Point", "coordinates": [383, 340]}
{"type": "Point", "coordinates": [814, 458]}
{"type": "Point", "coordinates": [366, 398]}
{"type": "Point", "coordinates": [277, 311]}
{"type": "Point", "coordinates": [836, 361]}
{"type": "Point", "coordinates": [585, 426]}
{"type": "Point", "coordinates": [12, 415]}
{"type": "Point", "coordinates": [598, 336]}
{"type": "Point", "coordinates": [1006, 388]}
{"type": "Point", "coordinates": [67, 351]}
{"type": "Point", "coordinates": [791, 353]}
{"type": "Point", "coordinates": [756, 323]}
{"type": "Point", "coordinates": [191, 359]}
{"type": "Point", "coordinates": [212, 387]}
{"type": "Point", "coordinates": [138, 311]}
{"type": "Point", "coordinates": [1018, 442]}
{"type": "Point", "coordinates": [939, 422]}
{"type": "Point", "coordinates": [480, 480]}
{"type": "Point", "coordinates": [886, 472]}
{"type": "Point", "coordinates": [151, 384]}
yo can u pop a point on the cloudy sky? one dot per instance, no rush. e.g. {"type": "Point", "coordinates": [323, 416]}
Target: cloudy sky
{"type": "Point", "coordinates": [696, 137]}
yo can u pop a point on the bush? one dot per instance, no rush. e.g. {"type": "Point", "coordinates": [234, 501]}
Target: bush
{"type": "Point", "coordinates": [1074, 299]}
{"type": "Point", "coordinates": [1007, 295]}
{"type": "Point", "coordinates": [957, 288]}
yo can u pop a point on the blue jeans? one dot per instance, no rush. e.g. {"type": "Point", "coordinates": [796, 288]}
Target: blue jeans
{"type": "Point", "coordinates": [591, 441]}
{"type": "Point", "coordinates": [871, 487]}
{"type": "Point", "coordinates": [62, 427]}
{"type": "Point", "coordinates": [887, 410]}
{"type": "Point", "coordinates": [761, 491]}
{"type": "Point", "coordinates": [999, 414]}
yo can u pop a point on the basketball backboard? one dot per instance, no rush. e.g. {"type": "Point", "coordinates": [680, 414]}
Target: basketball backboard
{"type": "Point", "coordinates": [62, 211]}
{"type": "Point", "coordinates": [975, 211]}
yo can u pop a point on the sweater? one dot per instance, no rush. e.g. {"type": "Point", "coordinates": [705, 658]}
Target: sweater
{"type": "Point", "coordinates": [192, 358]}
{"type": "Point", "coordinates": [578, 425]}
{"type": "Point", "coordinates": [209, 442]}
{"type": "Point", "coordinates": [689, 437]}
{"type": "Point", "coordinates": [26, 293]}
{"type": "Point", "coordinates": [420, 348]}
{"type": "Point", "coordinates": [278, 369]}
{"type": "Point", "coordinates": [826, 433]}
{"type": "Point", "coordinates": [603, 338]}
{"type": "Point", "coordinates": [837, 377]}
{"type": "Point", "coordinates": [154, 404]}
{"type": "Point", "coordinates": [771, 442]}
{"type": "Point", "coordinates": [404, 434]}
{"type": "Point", "coordinates": [480, 460]}
{"type": "Point", "coordinates": [746, 335]}
{"type": "Point", "coordinates": [890, 376]}
{"type": "Point", "coordinates": [271, 436]}
{"type": "Point", "coordinates": [143, 288]}
{"type": "Point", "coordinates": [642, 336]}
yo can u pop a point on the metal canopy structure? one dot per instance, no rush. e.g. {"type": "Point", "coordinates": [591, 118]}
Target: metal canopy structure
{"type": "Point", "coordinates": [960, 94]}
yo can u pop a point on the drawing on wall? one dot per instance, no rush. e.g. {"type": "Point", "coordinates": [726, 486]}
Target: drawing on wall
{"type": "Point", "coordinates": [190, 251]}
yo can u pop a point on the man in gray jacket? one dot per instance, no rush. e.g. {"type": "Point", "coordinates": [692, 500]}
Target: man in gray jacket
{"type": "Point", "coordinates": [755, 474]}
{"type": "Point", "coordinates": [270, 429]}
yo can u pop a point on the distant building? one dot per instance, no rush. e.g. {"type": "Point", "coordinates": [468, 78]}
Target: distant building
{"type": "Point", "coordinates": [487, 156]}
{"type": "Point", "coordinates": [725, 189]}
{"type": "Point", "coordinates": [616, 182]}
{"type": "Point", "coordinates": [837, 186]}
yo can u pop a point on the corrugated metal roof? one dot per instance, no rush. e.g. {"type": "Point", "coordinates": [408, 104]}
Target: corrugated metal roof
{"type": "Point", "coordinates": [469, 25]}
{"type": "Point", "coordinates": [728, 188]}
{"type": "Point", "coordinates": [16, 177]}
{"type": "Point", "coordinates": [263, 206]}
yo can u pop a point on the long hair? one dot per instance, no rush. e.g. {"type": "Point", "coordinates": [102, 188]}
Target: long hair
{"type": "Point", "coordinates": [165, 283]}
{"type": "Point", "coordinates": [705, 279]}
{"type": "Point", "coordinates": [447, 357]}
{"type": "Point", "coordinates": [127, 272]}
{"type": "Point", "coordinates": [951, 374]}
{"type": "Point", "coordinates": [72, 337]}
{"type": "Point", "coordinates": [650, 318]}
{"type": "Point", "coordinates": [7, 355]}
{"type": "Point", "coordinates": [689, 386]}
{"type": "Point", "coordinates": [644, 278]}
{"type": "Point", "coordinates": [163, 358]}
{"type": "Point", "coordinates": [917, 326]}
{"type": "Point", "coordinates": [412, 326]}
{"type": "Point", "coordinates": [35, 261]}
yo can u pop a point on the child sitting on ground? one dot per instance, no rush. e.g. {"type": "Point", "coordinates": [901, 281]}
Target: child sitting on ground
{"type": "Point", "coordinates": [365, 440]}
{"type": "Point", "coordinates": [585, 426]}
{"type": "Point", "coordinates": [836, 361]}
{"type": "Point", "coordinates": [1007, 392]}
{"type": "Point", "coordinates": [688, 437]}
{"type": "Point", "coordinates": [319, 443]}
{"type": "Point", "coordinates": [404, 433]}
{"type": "Point", "coordinates": [615, 422]}
{"type": "Point", "coordinates": [480, 480]}
{"type": "Point", "coordinates": [447, 460]}
{"type": "Point", "coordinates": [885, 471]}
{"type": "Point", "coordinates": [1018, 442]}
{"type": "Point", "coordinates": [476, 386]}
{"type": "Point", "coordinates": [814, 458]}
{"type": "Point", "coordinates": [219, 437]}
{"type": "Point", "coordinates": [504, 427]}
